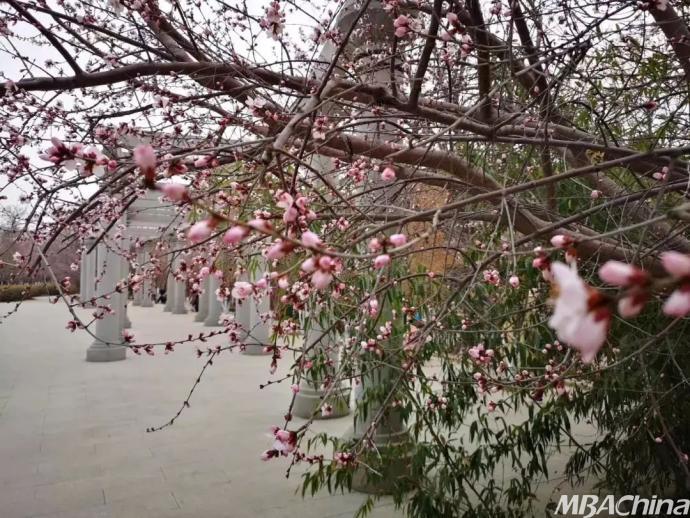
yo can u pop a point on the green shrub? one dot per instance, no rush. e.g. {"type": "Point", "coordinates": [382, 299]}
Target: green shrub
{"type": "Point", "coordinates": [15, 292]}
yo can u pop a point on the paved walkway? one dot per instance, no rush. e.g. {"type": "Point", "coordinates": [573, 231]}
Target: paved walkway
{"type": "Point", "coordinates": [73, 441]}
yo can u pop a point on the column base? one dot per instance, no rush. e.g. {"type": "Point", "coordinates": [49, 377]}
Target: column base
{"type": "Point", "coordinates": [106, 353]}
{"type": "Point", "coordinates": [213, 322]}
{"type": "Point", "coordinates": [178, 311]}
{"type": "Point", "coordinates": [393, 470]}
{"type": "Point", "coordinates": [128, 323]}
{"type": "Point", "coordinates": [254, 350]}
{"type": "Point", "coordinates": [200, 317]}
{"type": "Point", "coordinates": [308, 403]}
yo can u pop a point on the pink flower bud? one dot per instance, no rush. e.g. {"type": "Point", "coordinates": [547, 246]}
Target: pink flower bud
{"type": "Point", "coordinates": [678, 304]}
{"type": "Point", "coordinates": [375, 245]}
{"type": "Point", "coordinates": [325, 262]}
{"type": "Point", "coordinates": [309, 265]}
{"type": "Point", "coordinates": [145, 158]}
{"type": "Point", "coordinates": [398, 240]}
{"type": "Point", "coordinates": [174, 191]}
{"type": "Point", "coordinates": [630, 306]}
{"type": "Point", "coordinates": [617, 273]}
{"type": "Point", "coordinates": [261, 225]}
{"type": "Point", "coordinates": [235, 235]}
{"type": "Point", "coordinates": [320, 279]}
{"type": "Point", "coordinates": [561, 241]}
{"type": "Point", "coordinates": [310, 239]}
{"type": "Point", "coordinates": [277, 250]}
{"type": "Point", "coordinates": [382, 261]}
{"type": "Point", "coordinates": [676, 264]}
{"type": "Point", "coordinates": [514, 281]}
{"type": "Point", "coordinates": [388, 174]}
{"type": "Point", "coordinates": [200, 231]}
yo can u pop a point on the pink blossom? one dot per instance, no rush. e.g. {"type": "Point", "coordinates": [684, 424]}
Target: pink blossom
{"type": "Point", "coordinates": [561, 241]}
{"type": "Point", "coordinates": [373, 307]}
{"type": "Point", "coordinates": [388, 174]}
{"type": "Point", "coordinates": [295, 388]}
{"type": "Point", "coordinates": [382, 261]}
{"type": "Point", "coordinates": [204, 272]}
{"type": "Point", "coordinates": [261, 225]}
{"type": "Point", "coordinates": [575, 322]}
{"type": "Point", "coordinates": [241, 290]}
{"type": "Point", "coordinates": [630, 306]}
{"type": "Point", "coordinates": [309, 265]}
{"type": "Point", "coordinates": [618, 273]}
{"type": "Point", "coordinates": [311, 240]}
{"type": "Point", "coordinates": [320, 279]}
{"type": "Point", "coordinates": [678, 304]}
{"type": "Point", "coordinates": [203, 162]}
{"type": "Point", "coordinates": [375, 245]}
{"type": "Point", "coordinates": [595, 194]}
{"type": "Point", "coordinates": [514, 281]}
{"type": "Point", "coordinates": [402, 26]}
{"type": "Point", "coordinates": [174, 191]}
{"type": "Point", "coordinates": [274, 20]}
{"type": "Point", "coordinates": [398, 240]}
{"type": "Point", "coordinates": [492, 277]}
{"type": "Point", "coordinates": [145, 158]}
{"type": "Point", "coordinates": [676, 264]}
{"type": "Point", "coordinates": [200, 231]}
{"type": "Point", "coordinates": [278, 250]}
{"type": "Point", "coordinates": [235, 234]}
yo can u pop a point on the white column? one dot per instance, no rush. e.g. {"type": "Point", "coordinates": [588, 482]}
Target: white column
{"type": "Point", "coordinates": [243, 313]}
{"type": "Point", "coordinates": [138, 294]}
{"type": "Point", "coordinates": [180, 290]}
{"type": "Point", "coordinates": [82, 276]}
{"type": "Point", "coordinates": [89, 265]}
{"type": "Point", "coordinates": [124, 296]}
{"type": "Point", "coordinates": [258, 328]}
{"type": "Point", "coordinates": [214, 306]}
{"type": "Point", "coordinates": [169, 292]}
{"type": "Point", "coordinates": [146, 295]}
{"type": "Point", "coordinates": [203, 300]}
{"type": "Point", "coordinates": [390, 432]}
{"type": "Point", "coordinates": [312, 395]}
{"type": "Point", "coordinates": [106, 347]}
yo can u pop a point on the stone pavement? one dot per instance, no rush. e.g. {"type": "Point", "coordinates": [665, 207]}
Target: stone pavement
{"type": "Point", "coordinates": [72, 434]}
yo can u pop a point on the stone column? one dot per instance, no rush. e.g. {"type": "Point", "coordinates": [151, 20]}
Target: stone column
{"type": "Point", "coordinates": [390, 456]}
{"type": "Point", "coordinates": [82, 276]}
{"type": "Point", "coordinates": [139, 293]}
{"type": "Point", "coordinates": [169, 292]}
{"type": "Point", "coordinates": [203, 300]}
{"type": "Point", "coordinates": [124, 296]}
{"type": "Point", "coordinates": [243, 313]}
{"type": "Point", "coordinates": [312, 392]}
{"type": "Point", "coordinates": [180, 290]}
{"type": "Point", "coordinates": [214, 306]}
{"type": "Point", "coordinates": [107, 345]}
{"type": "Point", "coordinates": [146, 299]}
{"type": "Point", "coordinates": [89, 264]}
{"type": "Point", "coordinates": [258, 330]}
